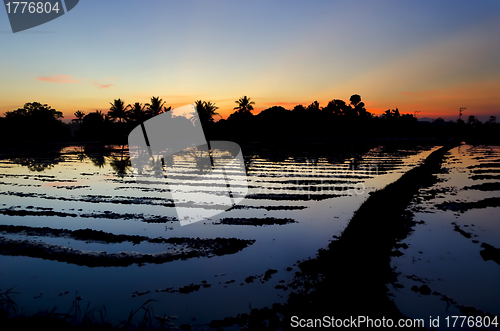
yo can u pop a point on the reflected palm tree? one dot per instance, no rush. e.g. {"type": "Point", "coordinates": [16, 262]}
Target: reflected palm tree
{"type": "Point", "coordinates": [355, 161]}
{"type": "Point", "coordinates": [97, 160]}
{"type": "Point", "coordinates": [38, 164]}
{"type": "Point", "coordinates": [198, 159]}
{"type": "Point", "coordinates": [203, 163]}
{"type": "Point", "coordinates": [121, 165]}
{"type": "Point", "coordinates": [80, 154]}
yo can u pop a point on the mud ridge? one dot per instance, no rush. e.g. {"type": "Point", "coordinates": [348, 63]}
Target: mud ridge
{"type": "Point", "coordinates": [184, 248]}
{"type": "Point", "coordinates": [349, 277]}
{"type": "Point", "coordinates": [463, 206]}
{"type": "Point", "coordinates": [257, 221]}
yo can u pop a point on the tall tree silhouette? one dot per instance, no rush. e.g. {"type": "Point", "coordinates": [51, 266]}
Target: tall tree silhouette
{"type": "Point", "coordinates": [137, 112]}
{"type": "Point", "coordinates": [156, 106]}
{"type": "Point", "coordinates": [79, 116]}
{"type": "Point", "coordinates": [35, 121]}
{"type": "Point", "coordinates": [93, 126]}
{"type": "Point", "coordinates": [355, 99]}
{"type": "Point", "coordinates": [336, 107]}
{"type": "Point", "coordinates": [118, 110]}
{"type": "Point", "coordinates": [35, 110]}
{"type": "Point", "coordinates": [206, 111]}
{"type": "Point", "coordinates": [359, 106]}
{"type": "Point", "coordinates": [244, 105]}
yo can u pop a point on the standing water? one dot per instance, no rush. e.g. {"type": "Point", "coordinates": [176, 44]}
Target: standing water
{"type": "Point", "coordinates": [451, 266]}
{"type": "Point", "coordinates": [241, 259]}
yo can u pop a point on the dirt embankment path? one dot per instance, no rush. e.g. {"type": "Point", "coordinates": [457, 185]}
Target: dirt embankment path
{"type": "Point", "coordinates": [350, 277]}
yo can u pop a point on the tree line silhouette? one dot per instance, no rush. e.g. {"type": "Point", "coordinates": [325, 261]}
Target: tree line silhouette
{"type": "Point", "coordinates": [39, 122]}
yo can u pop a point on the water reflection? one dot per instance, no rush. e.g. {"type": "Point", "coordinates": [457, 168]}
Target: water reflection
{"type": "Point", "coordinates": [121, 163]}
{"type": "Point", "coordinates": [96, 157]}
{"type": "Point", "coordinates": [75, 195]}
{"type": "Point", "coordinates": [35, 159]}
{"type": "Point", "coordinates": [311, 156]}
{"type": "Point", "coordinates": [456, 241]}
{"type": "Point", "coordinates": [38, 164]}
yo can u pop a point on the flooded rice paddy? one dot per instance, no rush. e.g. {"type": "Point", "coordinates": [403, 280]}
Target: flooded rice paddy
{"type": "Point", "coordinates": [450, 264]}
{"type": "Point", "coordinates": [76, 224]}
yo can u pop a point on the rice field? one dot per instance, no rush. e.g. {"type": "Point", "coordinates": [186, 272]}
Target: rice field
{"type": "Point", "coordinates": [450, 264]}
{"type": "Point", "coordinates": [75, 223]}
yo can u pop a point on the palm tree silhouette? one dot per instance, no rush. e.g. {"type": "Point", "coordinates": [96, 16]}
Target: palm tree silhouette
{"type": "Point", "coordinates": [206, 111]}
{"type": "Point", "coordinates": [118, 110]}
{"type": "Point", "coordinates": [244, 105]}
{"type": "Point", "coordinates": [210, 109]}
{"type": "Point", "coordinates": [79, 116]}
{"type": "Point", "coordinates": [137, 112]}
{"type": "Point", "coordinates": [156, 106]}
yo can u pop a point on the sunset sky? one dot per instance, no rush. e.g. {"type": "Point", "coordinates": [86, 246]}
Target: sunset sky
{"type": "Point", "coordinates": [428, 56]}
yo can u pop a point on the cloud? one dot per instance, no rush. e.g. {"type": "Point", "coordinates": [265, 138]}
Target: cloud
{"type": "Point", "coordinates": [97, 84]}
{"type": "Point", "coordinates": [65, 79]}
{"type": "Point", "coordinates": [59, 79]}
{"type": "Point", "coordinates": [103, 85]}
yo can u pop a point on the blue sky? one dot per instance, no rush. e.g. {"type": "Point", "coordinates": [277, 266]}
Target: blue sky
{"type": "Point", "coordinates": [426, 56]}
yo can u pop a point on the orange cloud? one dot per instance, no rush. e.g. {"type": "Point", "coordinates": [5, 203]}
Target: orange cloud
{"type": "Point", "coordinates": [103, 85]}
{"type": "Point", "coordinates": [60, 79]}
{"type": "Point", "coordinates": [64, 79]}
